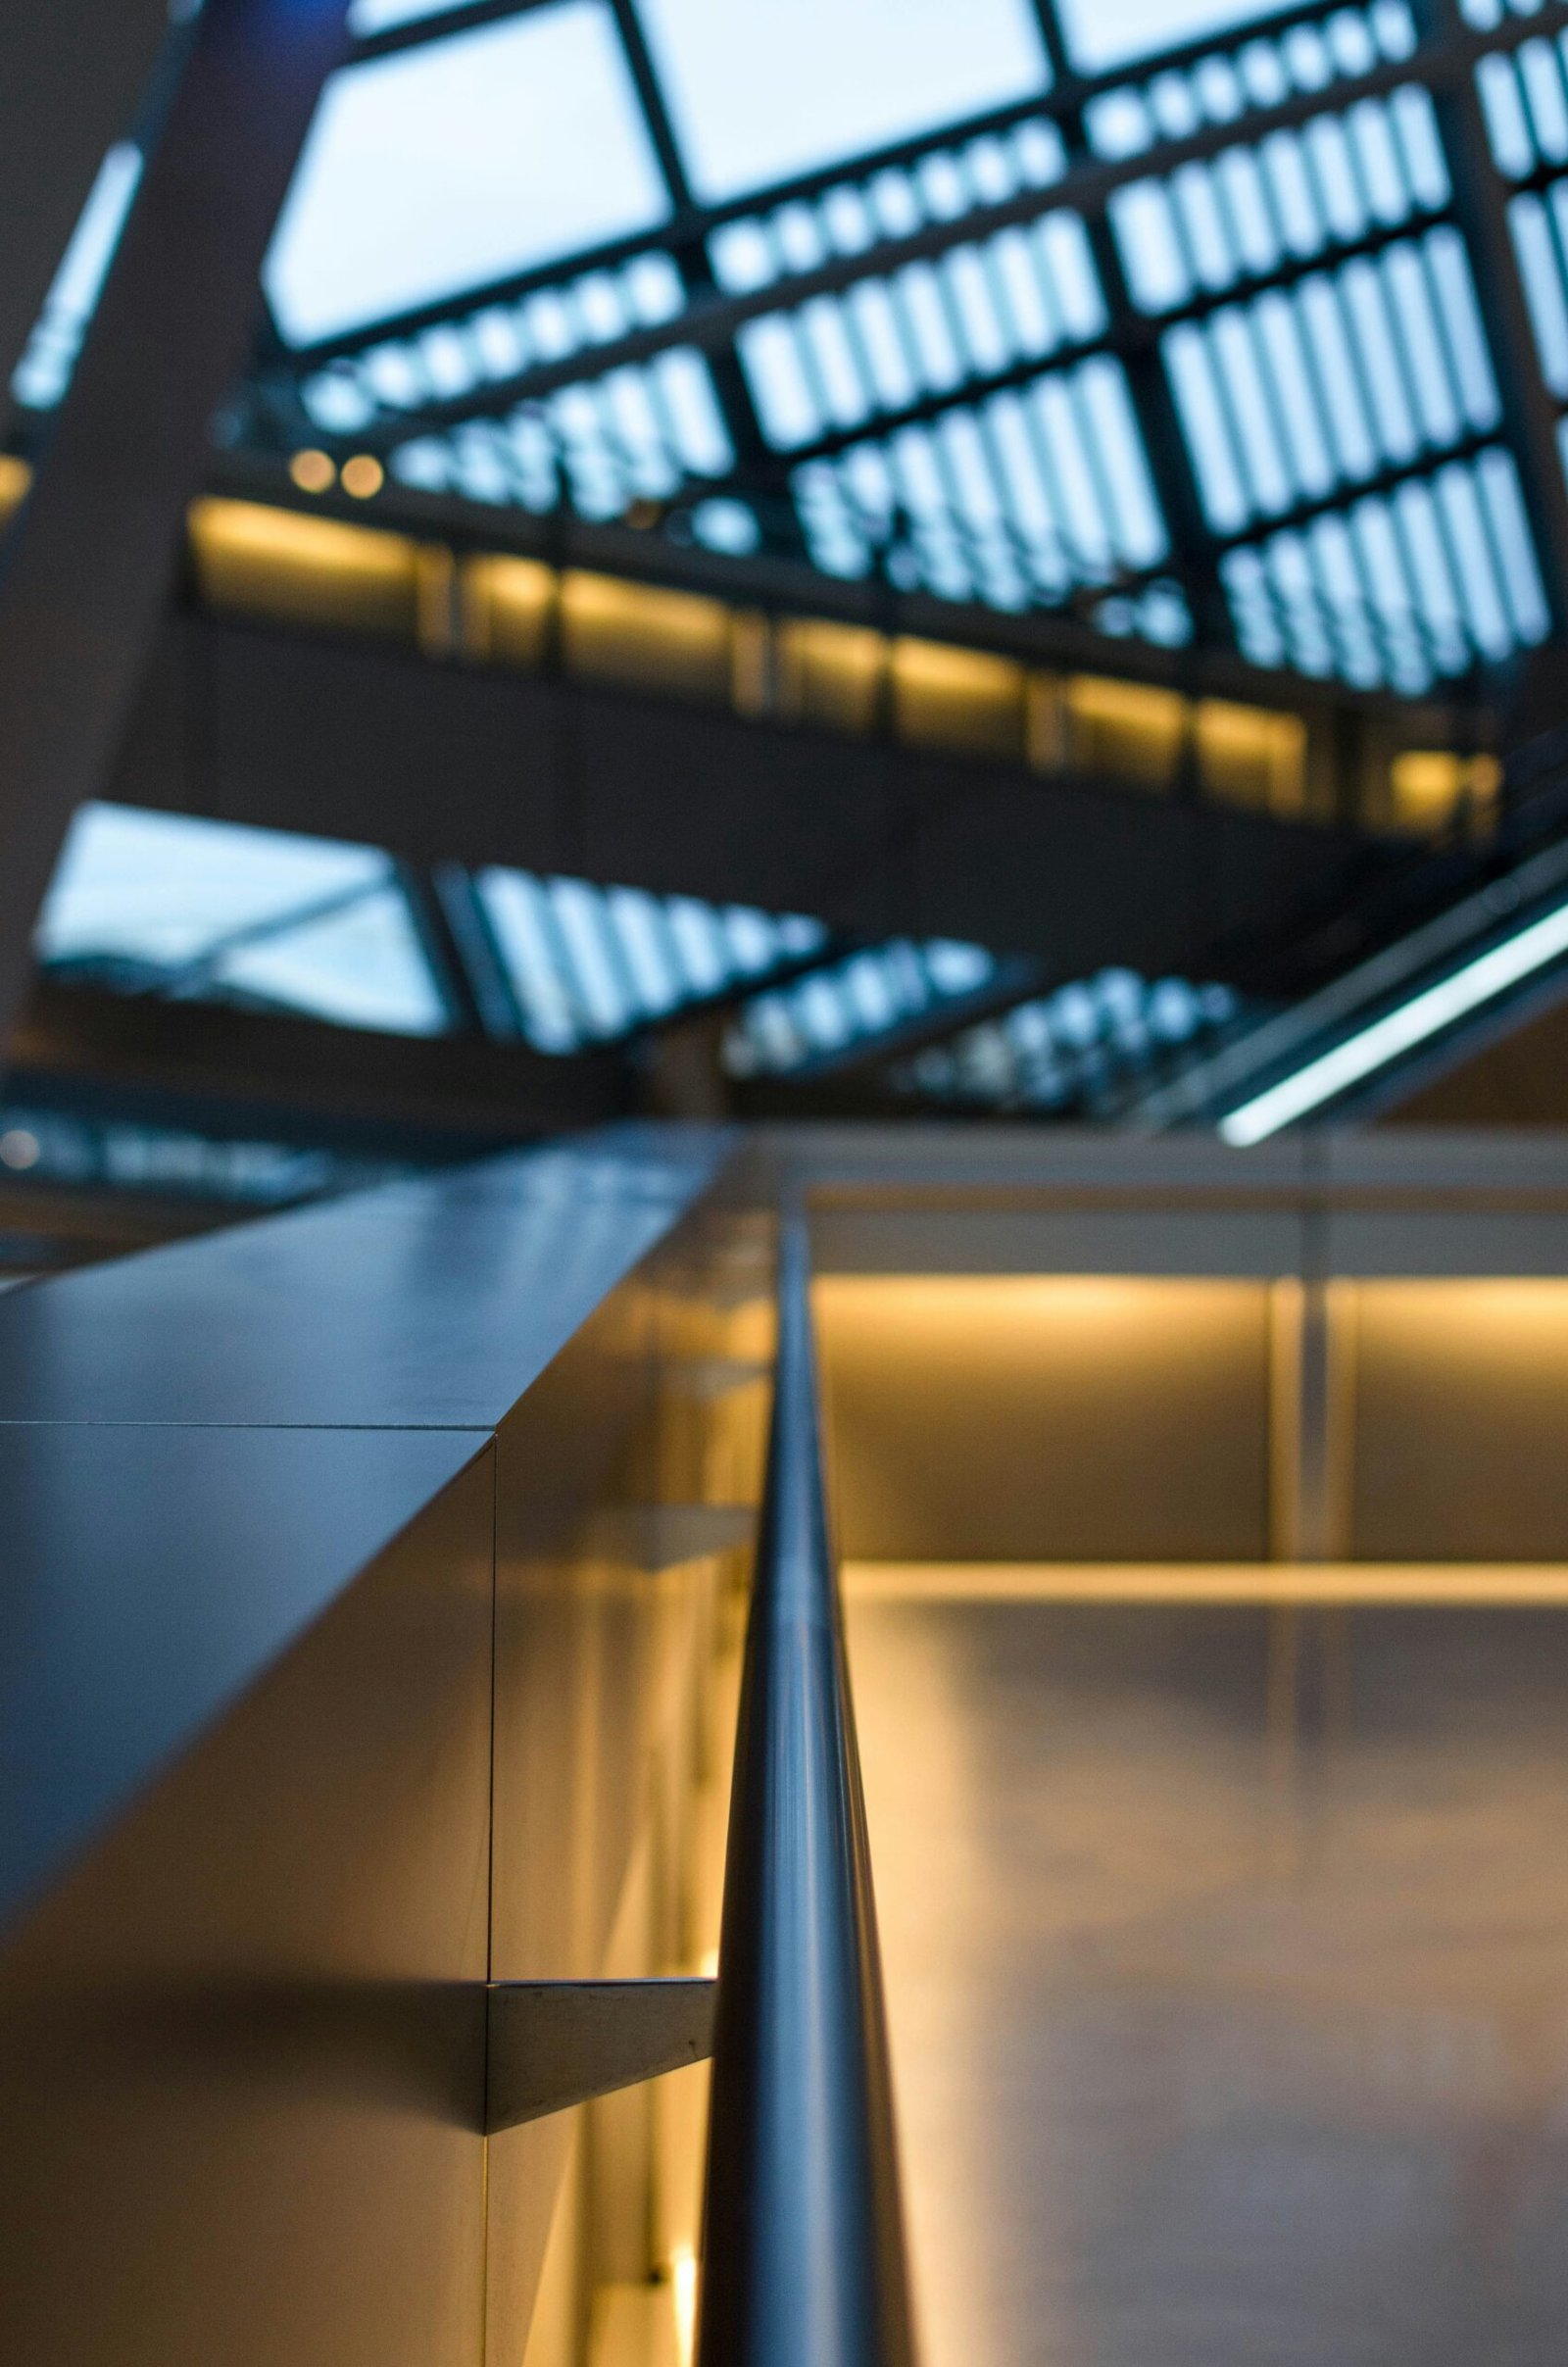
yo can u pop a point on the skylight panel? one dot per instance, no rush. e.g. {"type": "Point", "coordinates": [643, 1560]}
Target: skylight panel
{"type": "Point", "coordinates": [361, 966]}
{"type": "Point", "coordinates": [762, 93]}
{"type": "Point", "coordinates": [1544, 289]}
{"type": "Point", "coordinates": [886, 352]}
{"type": "Point", "coordinates": [780, 388]}
{"type": "Point", "coordinates": [1499, 484]}
{"type": "Point", "coordinates": [699, 944]}
{"type": "Point", "coordinates": [1152, 252]}
{"type": "Point", "coordinates": [163, 889]}
{"type": "Point", "coordinates": [442, 167]}
{"type": "Point", "coordinates": [586, 939]}
{"type": "Point", "coordinates": [696, 425]}
{"type": "Point", "coordinates": [1101, 37]}
{"type": "Point", "coordinates": [368, 16]}
{"type": "Point", "coordinates": [645, 948]}
{"type": "Point", "coordinates": [519, 912]}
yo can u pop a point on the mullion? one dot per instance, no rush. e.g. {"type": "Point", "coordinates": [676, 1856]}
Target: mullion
{"type": "Point", "coordinates": [1368, 511]}
{"type": "Point", "coordinates": [1415, 574]}
{"type": "Point", "coordinates": [1088, 438]}
{"type": "Point", "coordinates": [1279, 415]}
{"type": "Point", "coordinates": [1102, 175]}
{"type": "Point", "coordinates": [1446, 333]}
{"type": "Point", "coordinates": [1490, 532]}
{"type": "Point", "coordinates": [1315, 385]}
{"type": "Point", "coordinates": [1401, 342]}
{"type": "Point", "coordinates": [1048, 490]}
{"type": "Point", "coordinates": [1262, 360]}
{"type": "Point", "coordinates": [1340, 623]}
{"type": "Point", "coordinates": [1078, 564]}
{"type": "Point", "coordinates": [1350, 338]}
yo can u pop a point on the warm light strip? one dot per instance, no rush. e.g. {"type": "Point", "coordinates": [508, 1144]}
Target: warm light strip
{"type": "Point", "coordinates": [1489, 975]}
{"type": "Point", "coordinates": [1471, 1583]}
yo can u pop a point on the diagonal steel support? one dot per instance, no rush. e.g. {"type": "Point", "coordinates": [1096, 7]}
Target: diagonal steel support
{"type": "Point", "coordinates": [555, 2044]}
{"type": "Point", "coordinates": [89, 563]}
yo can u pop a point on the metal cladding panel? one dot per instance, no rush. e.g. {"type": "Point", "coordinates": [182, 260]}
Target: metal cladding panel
{"type": "Point", "coordinates": [241, 2043]}
{"type": "Point", "coordinates": [151, 1576]}
{"type": "Point", "coordinates": [427, 1305]}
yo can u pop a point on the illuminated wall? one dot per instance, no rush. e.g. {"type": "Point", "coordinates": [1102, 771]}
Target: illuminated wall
{"type": "Point", "coordinates": [1123, 1419]}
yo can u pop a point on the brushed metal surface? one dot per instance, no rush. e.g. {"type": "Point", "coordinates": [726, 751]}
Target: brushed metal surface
{"type": "Point", "coordinates": [595, 1662]}
{"type": "Point", "coordinates": [430, 1303]}
{"type": "Point", "coordinates": [247, 1679]}
{"type": "Point", "coordinates": [242, 2041]}
{"type": "Point", "coordinates": [1227, 1962]}
{"type": "Point", "coordinates": [1064, 1417]}
{"type": "Point", "coordinates": [147, 1577]}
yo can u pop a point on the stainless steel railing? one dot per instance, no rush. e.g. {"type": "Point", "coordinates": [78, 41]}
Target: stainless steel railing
{"type": "Point", "coordinates": [804, 2260]}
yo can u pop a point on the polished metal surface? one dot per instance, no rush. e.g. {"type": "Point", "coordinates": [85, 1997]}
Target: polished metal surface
{"type": "Point", "coordinates": [150, 1577]}
{"type": "Point", "coordinates": [243, 2040]}
{"type": "Point", "coordinates": [552, 2044]}
{"type": "Point", "coordinates": [802, 2240]}
{"type": "Point", "coordinates": [1227, 1969]}
{"type": "Point", "coordinates": [428, 1305]}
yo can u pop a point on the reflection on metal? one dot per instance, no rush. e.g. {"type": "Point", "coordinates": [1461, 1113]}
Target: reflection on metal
{"type": "Point", "coordinates": [716, 1376]}
{"type": "Point", "coordinates": [1310, 1425]}
{"type": "Point", "coordinates": [1517, 1585]}
{"type": "Point", "coordinates": [553, 2043]}
{"type": "Point", "coordinates": [661, 1537]}
{"type": "Point", "coordinates": [802, 2232]}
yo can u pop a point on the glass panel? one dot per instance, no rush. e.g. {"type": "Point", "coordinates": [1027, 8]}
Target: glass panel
{"type": "Point", "coordinates": [361, 966]}
{"type": "Point", "coordinates": [368, 16]}
{"type": "Point", "coordinates": [162, 889]}
{"type": "Point", "coordinates": [761, 92]}
{"type": "Point", "coordinates": [460, 162]}
{"type": "Point", "coordinates": [1101, 37]}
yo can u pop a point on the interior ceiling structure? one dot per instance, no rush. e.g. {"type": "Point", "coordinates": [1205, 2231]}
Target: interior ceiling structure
{"type": "Point", "coordinates": [1212, 323]}
{"type": "Point", "coordinates": [1230, 331]}
{"type": "Point", "coordinates": [1184, 316]}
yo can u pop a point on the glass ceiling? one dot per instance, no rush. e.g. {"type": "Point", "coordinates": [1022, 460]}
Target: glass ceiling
{"type": "Point", "coordinates": [161, 904]}
{"type": "Point", "coordinates": [1202, 319]}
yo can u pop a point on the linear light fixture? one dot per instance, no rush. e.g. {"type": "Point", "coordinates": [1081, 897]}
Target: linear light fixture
{"type": "Point", "coordinates": [1398, 1032]}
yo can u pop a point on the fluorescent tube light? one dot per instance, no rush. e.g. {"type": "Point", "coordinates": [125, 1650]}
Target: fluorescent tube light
{"type": "Point", "coordinates": [1399, 1031]}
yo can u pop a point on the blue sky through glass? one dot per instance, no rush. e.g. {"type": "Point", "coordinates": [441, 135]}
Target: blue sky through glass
{"type": "Point", "coordinates": [763, 89]}
{"type": "Point", "coordinates": [1103, 35]}
{"type": "Point", "coordinates": [447, 166]}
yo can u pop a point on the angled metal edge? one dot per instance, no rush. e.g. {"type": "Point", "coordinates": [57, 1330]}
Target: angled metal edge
{"type": "Point", "coordinates": [553, 2043]}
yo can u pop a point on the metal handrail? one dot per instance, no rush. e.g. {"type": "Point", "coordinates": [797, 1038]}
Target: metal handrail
{"type": "Point", "coordinates": [803, 2241]}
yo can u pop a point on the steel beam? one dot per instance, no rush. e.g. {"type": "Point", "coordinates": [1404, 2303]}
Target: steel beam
{"type": "Point", "coordinates": [72, 76]}
{"type": "Point", "coordinates": [297, 1079]}
{"type": "Point", "coordinates": [555, 776]}
{"type": "Point", "coordinates": [89, 562]}
{"type": "Point", "coordinates": [784, 587]}
{"type": "Point", "coordinates": [1086, 189]}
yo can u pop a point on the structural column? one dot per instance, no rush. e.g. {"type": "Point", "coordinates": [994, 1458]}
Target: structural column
{"type": "Point", "coordinates": [88, 565]}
